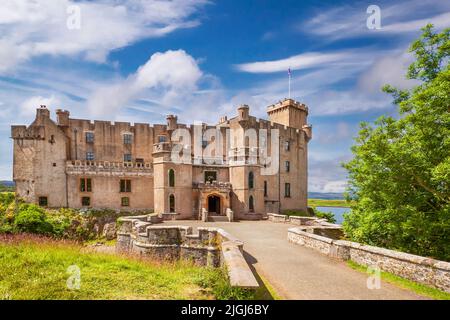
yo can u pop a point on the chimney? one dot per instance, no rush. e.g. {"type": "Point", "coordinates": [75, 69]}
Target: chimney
{"type": "Point", "coordinates": [62, 117]}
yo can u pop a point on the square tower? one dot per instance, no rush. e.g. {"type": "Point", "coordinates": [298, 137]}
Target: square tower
{"type": "Point", "coordinates": [289, 113]}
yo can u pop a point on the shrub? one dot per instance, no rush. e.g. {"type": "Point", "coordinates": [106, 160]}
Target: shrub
{"type": "Point", "coordinates": [32, 218]}
{"type": "Point", "coordinates": [300, 213]}
{"type": "Point", "coordinates": [325, 215]}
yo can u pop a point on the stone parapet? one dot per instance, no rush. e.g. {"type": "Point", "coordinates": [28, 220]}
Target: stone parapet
{"type": "Point", "coordinates": [208, 247]}
{"type": "Point", "coordinates": [106, 168]}
{"type": "Point", "coordinates": [423, 270]}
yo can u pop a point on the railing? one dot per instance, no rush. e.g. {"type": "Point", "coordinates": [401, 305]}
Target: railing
{"type": "Point", "coordinates": [108, 168]}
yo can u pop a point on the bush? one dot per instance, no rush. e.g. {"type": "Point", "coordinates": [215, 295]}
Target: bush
{"type": "Point", "coordinates": [32, 218]}
{"type": "Point", "coordinates": [299, 213]}
{"type": "Point", "coordinates": [325, 215]}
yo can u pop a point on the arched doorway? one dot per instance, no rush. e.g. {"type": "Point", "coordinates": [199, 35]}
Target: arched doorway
{"type": "Point", "coordinates": [214, 204]}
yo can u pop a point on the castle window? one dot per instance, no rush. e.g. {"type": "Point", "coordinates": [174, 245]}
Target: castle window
{"type": "Point", "coordinates": [161, 139]}
{"type": "Point", "coordinates": [171, 203]}
{"type": "Point", "coordinates": [85, 201]}
{"type": "Point", "coordinates": [251, 205]}
{"type": "Point", "coordinates": [265, 188]}
{"type": "Point", "coordinates": [251, 178]}
{"type": "Point", "coordinates": [43, 201]}
{"type": "Point", "coordinates": [85, 185]}
{"type": "Point", "coordinates": [125, 185]}
{"type": "Point", "coordinates": [287, 145]}
{"type": "Point", "coordinates": [171, 178]}
{"type": "Point", "coordinates": [288, 166]}
{"type": "Point", "coordinates": [125, 201]}
{"type": "Point", "coordinates": [89, 137]}
{"type": "Point", "coordinates": [127, 157]}
{"type": "Point", "coordinates": [90, 156]}
{"type": "Point", "coordinates": [210, 176]}
{"type": "Point", "coordinates": [287, 190]}
{"type": "Point", "coordinates": [127, 138]}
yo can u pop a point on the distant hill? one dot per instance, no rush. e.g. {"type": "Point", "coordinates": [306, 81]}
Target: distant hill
{"type": "Point", "coordinates": [327, 196]}
{"type": "Point", "coordinates": [7, 183]}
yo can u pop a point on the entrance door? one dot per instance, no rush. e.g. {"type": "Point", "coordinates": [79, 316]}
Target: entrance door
{"type": "Point", "coordinates": [214, 205]}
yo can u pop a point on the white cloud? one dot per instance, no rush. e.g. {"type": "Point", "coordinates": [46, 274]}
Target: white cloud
{"type": "Point", "coordinates": [30, 28]}
{"type": "Point", "coordinates": [27, 109]}
{"type": "Point", "coordinates": [301, 61]}
{"type": "Point", "coordinates": [171, 75]}
{"type": "Point", "coordinates": [349, 21]}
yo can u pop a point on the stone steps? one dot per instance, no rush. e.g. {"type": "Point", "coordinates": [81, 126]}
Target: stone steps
{"type": "Point", "coordinates": [217, 218]}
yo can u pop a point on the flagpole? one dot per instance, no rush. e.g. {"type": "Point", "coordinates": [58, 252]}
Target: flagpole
{"type": "Point", "coordinates": [289, 73]}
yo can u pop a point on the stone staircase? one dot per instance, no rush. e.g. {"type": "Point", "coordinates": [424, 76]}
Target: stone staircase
{"type": "Point", "coordinates": [212, 218]}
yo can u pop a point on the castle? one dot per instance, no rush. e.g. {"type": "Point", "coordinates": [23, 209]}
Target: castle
{"type": "Point", "coordinates": [243, 165]}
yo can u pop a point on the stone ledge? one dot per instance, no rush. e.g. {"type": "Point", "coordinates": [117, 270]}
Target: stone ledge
{"type": "Point", "coordinates": [424, 270]}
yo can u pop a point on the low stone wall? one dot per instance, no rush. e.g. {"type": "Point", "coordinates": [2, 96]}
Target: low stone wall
{"type": "Point", "coordinates": [209, 247]}
{"type": "Point", "coordinates": [416, 268]}
{"type": "Point", "coordinates": [313, 225]}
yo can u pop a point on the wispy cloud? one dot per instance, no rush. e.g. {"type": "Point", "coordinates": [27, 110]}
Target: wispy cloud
{"type": "Point", "coordinates": [349, 21]}
{"type": "Point", "coordinates": [31, 28]}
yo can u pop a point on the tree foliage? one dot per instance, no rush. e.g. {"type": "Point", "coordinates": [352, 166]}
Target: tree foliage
{"type": "Point", "coordinates": [400, 174]}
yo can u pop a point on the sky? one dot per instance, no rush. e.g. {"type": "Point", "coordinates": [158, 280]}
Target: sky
{"type": "Point", "coordinates": [137, 61]}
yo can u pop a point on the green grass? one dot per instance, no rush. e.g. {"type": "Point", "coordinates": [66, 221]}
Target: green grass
{"type": "Point", "coordinates": [36, 268]}
{"type": "Point", "coordinates": [418, 288]}
{"type": "Point", "coordinates": [328, 203]}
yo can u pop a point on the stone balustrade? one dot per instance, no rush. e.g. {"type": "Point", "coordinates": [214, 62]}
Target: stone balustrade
{"type": "Point", "coordinates": [107, 168]}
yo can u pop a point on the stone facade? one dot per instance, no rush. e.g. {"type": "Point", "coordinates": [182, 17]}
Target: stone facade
{"type": "Point", "coordinates": [81, 163]}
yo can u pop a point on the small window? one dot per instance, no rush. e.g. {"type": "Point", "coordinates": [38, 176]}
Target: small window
{"type": "Point", "coordinates": [161, 139]}
{"type": "Point", "coordinates": [204, 142]}
{"type": "Point", "coordinates": [127, 157]}
{"type": "Point", "coordinates": [251, 182]}
{"type": "Point", "coordinates": [85, 185]}
{"type": "Point", "coordinates": [171, 203]}
{"type": "Point", "coordinates": [125, 202]}
{"type": "Point", "coordinates": [85, 201]}
{"type": "Point", "coordinates": [90, 156]}
{"type": "Point", "coordinates": [89, 137]}
{"type": "Point", "coordinates": [287, 190]}
{"type": "Point", "coordinates": [43, 201]}
{"type": "Point", "coordinates": [265, 188]}
{"type": "Point", "coordinates": [125, 185]}
{"type": "Point", "coordinates": [171, 178]}
{"type": "Point", "coordinates": [251, 205]}
{"type": "Point", "coordinates": [288, 166]}
{"type": "Point", "coordinates": [210, 176]}
{"type": "Point", "coordinates": [127, 138]}
{"type": "Point", "coordinates": [287, 145]}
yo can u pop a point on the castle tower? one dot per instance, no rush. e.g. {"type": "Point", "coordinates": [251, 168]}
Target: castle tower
{"type": "Point", "coordinates": [289, 113]}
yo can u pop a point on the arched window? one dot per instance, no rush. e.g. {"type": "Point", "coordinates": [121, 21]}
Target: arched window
{"type": "Point", "coordinates": [251, 179]}
{"type": "Point", "coordinates": [171, 178]}
{"type": "Point", "coordinates": [265, 188]}
{"type": "Point", "coordinates": [251, 206]}
{"type": "Point", "coordinates": [171, 203]}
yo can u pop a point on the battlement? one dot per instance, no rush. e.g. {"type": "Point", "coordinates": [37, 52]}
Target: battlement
{"type": "Point", "coordinates": [30, 133]}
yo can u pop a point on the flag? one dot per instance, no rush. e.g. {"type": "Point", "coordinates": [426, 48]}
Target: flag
{"type": "Point", "coordinates": [289, 72]}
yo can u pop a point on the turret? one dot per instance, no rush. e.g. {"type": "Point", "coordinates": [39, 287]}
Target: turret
{"type": "Point", "coordinates": [62, 117]}
{"type": "Point", "coordinates": [171, 122]}
{"type": "Point", "coordinates": [289, 113]}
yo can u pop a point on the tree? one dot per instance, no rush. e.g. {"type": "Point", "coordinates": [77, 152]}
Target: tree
{"type": "Point", "coordinates": [399, 176]}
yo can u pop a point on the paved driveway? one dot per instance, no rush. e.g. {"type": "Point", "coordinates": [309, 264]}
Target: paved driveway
{"type": "Point", "coordinates": [296, 272]}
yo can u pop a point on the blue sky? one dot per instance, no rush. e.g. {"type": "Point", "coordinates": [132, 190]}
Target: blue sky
{"type": "Point", "coordinates": [137, 61]}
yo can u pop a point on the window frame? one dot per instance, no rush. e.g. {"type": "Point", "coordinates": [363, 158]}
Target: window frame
{"type": "Point", "coordinates": [40, 201]}
{"type": "Point", "coordinates": [172, 197]}
{"type": "Point", "coordinates": [125, 201]}
{"type": "Point", "coordinates": [251, 204]}
{"type": "Point", "coordinates": [85, 184]}
{"type": "Point", "coordinates": [83, 201]}
{"type": "Point", "coordinates": [251, 180]}
{"type": "Point", "coordinates": [209, 171]}
{"type": "Point", "coordinates": [287, 145]}
{"type": "Point", "coordinates": [125, 186]}
{"type": "Point", "coordinates": [125, 156]}
{"type": "Point", "coordinates": [287, 166]}
{"type": "Point", "coordinates": [88, 153]}
{"type": "Point", "coordinates": [171, 178]}
{"type": "Point", "coordinates": [287, 190]}
{"type": "Point", "coordinates": [89, 137]}
{"type": "Point", "coordinates": [127, 138]}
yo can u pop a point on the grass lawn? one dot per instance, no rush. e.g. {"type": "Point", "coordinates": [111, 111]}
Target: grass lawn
{"type": "Point", "coordinates": [37, 268]}
{"type": "Point", "coordinates": [406, 284]}
{"type": "Point", "coordinates": [328, 203]}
